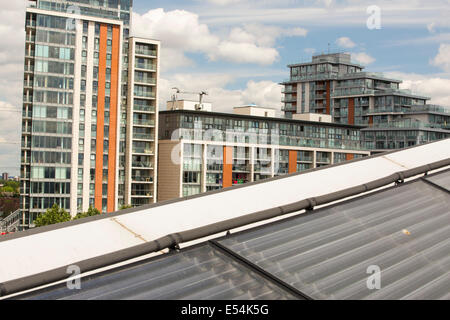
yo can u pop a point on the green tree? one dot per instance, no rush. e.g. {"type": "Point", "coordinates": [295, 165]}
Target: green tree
{"type": "Point", "coordinates": [8, 189]}
{"type": "Point", "coordinates": [127, 206]}
{"type": "Point", "coordinates": [53, 215]}
{"type": "Point", "coordinates": [91, 212]}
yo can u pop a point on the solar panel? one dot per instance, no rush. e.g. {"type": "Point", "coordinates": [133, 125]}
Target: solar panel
{"type": "Point", "coordinates": [198, 273]}
{"type": "Point", "coordinates": [441, 179]}
{"type": "Point", "coordinates": [331, 254]}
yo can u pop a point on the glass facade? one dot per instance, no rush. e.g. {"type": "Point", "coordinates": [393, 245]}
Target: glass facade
{"type": "Point", "coordinates": [72, 117]}
{"type": "Point", "coordinates": [222, 150]}
{"type": "Point", "coordinates": [263, 131]}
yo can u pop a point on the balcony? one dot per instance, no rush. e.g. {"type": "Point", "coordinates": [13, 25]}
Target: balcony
{"type": "Point", "coordinates": [143, 151]}
{"type": "Point", "coordinates": [30, 38]}
{"type": "Point", "coordinates": [289, 107]}
{"type": "Point", "coordinates": [262, 169]}
{"type": "Point", "coordinates": [27, 84]}
{"type": "Point", "coordinates": [140, 122]}
{"type": "Point", "coordinates": [141, 193]}
{"type": "Point", "coordinates": [145, 66]}
{"type": "Point", "coordinates": [352, 92]}
{"type": "Point", "coordinates": [142, 165]}
{"type": "Point", "coordinates": [320, 96]}
{"type": "Point", "coordinates": [289, 90]}
{"type": "Point", "coordinates": [27, 99]}
{"type": "Point", "coordinates": [29, 68]}
{"type": "Point", "coordinates": [30, 23]}
{"type": "Point", "coordinates": [146, 52]}
{"type": "Point", "coordinates": [241, 168]}
{"type": "Point", "coordinates": [143, 136]}
{"type": "Point", "coordinates": [289, 99]}
{"type": "Point", "coordinates": [144, 108]}
{"type": "Point", "coordinates": [141, 94]}
{"type": "Point", "coordinates": [143, 80]}
{"type": "Point", "coordinates": [144, 179]}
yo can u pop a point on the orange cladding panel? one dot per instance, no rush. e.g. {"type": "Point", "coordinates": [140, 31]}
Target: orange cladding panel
{"type": "Point", "coordinates": [113, 111]}
{"type": "Point", "coordinates": [227, 166]}
{"type": "Point", "coordinates": [350, 156]}
{"type": "Point", "coordinates": [328, 97]}
{"type": "Point", "coordinates": [351, 111]}
{"type": "Point", "coordinates": [100, 116]}
{"type": "Point", "coordinates": [292, 161]}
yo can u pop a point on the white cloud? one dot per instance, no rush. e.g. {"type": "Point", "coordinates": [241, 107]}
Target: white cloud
{"type": "Point", "coordinates": [442, 59]}
{"type": "Point", "coordinates": [263, 93]}
{"type": "Point", "coordinates": [10, 129]}
{"type": "Point", "coordinates": [181, 32]}
{"type": "Point", "coordinates": [244, 53]}
{"type": "Point", "coordinates": [345, 42]}
{"type": "Point", "coordinates": [362, 58]}
{"type": "Point", "coordinates": [12, 33]}
{"type": "Point", "coordinates": [433, 86]}
{"type": "Point", "coordinates": [310, 51]}
{"type": "Point", "coordinates": [263, 35]}
{"type": "Point", "coordinates": [224, 2]}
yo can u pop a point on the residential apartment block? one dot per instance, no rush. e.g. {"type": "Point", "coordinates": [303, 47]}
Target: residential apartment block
{"type": "Point", "coordinates": [89, 108]}
{"type": "Point", "coordinates": [202, 151]}
{"type": "Point", "coordinates": [331, 84]}
{"type": "Point", "coordinates": [397, 129]}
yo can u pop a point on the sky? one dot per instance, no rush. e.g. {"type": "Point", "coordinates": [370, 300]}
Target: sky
{"type": "Point", "coordinates": [238, 50]}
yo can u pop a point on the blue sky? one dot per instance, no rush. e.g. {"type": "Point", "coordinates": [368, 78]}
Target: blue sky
{"type": "Point", "coordinates": [413, 34]}
{"type": "Point", "coordinates": [237, 50]}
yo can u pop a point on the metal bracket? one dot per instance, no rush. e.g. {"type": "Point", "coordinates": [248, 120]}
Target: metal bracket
{"type": "Point", "coordinates": [175, 248]}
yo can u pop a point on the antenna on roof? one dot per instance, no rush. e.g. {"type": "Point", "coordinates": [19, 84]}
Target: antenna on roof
{"type": "Point", "coordinates": [328, 48]}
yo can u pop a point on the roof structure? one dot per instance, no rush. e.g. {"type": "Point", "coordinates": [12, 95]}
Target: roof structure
{"type": "Point", "coordinates": [320, 254]}
{"type": "Point", "coordinates": [403, 230]}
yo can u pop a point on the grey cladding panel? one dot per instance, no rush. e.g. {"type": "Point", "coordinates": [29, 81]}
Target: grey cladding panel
{"type": "Point", "coordinates": [405, 231]}
{"type": "Point", "coordinates": [198, 273]}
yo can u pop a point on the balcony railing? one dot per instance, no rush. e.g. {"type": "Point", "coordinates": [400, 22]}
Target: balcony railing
{"type": "Point", "coordinates": [289, 90]}
{"type": "Point", "coordinates": [30, 38]}
{"type": "Point", "coordinates": [241, 168]}
{"type": "Point", "coordinates": [146, 52]}
{"type": "Point", "coordinates": [31, 23]}
{"type": "Point", "coordinates": [145, 80]}
{"type": "Point", "coordinates": [145, 165]}
{"type": "Point", "coordinates": [138, 122]}
{"type": "Point", "coordinates": [141, 193]}
{"type": "Point", "coordinates": [148, 94]}
{"type": "Point", "coordinates": [142, 150]}
{"type": "Point", "coordinates": [352, 92]}
{"type": "Point", "coordinates": [146, 66]}
{"type": "Point", "coordinates": [29, 68]}
{"type": "Point", "coordinates": [143, 136]}
{"type": "Point", "coordinates": [139, 107]}
{"type": "Point", "coordinates": [142, 178]}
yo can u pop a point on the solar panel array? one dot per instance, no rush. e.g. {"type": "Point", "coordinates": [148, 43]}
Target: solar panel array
{"type": "Point", "coordinates": [405, 234]}
{"type": "Point", "coordinates": [199, 273]}
{"type": "Point", "coordinates": [392, 244]}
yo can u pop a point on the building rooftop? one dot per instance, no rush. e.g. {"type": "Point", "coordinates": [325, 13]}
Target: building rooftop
{"type": "Point", "coordinates": [325, 254]}
{"type": "Point", "coordinates": [275, 249]}
{"type": "Point", "coordinates": [335, 58]}
{"type": "Point", "coordinates": [278, 119]}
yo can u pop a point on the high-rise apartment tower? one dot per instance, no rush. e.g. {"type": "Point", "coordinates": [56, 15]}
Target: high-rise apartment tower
{"type": "Point", "coordinates": [89, 127]}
